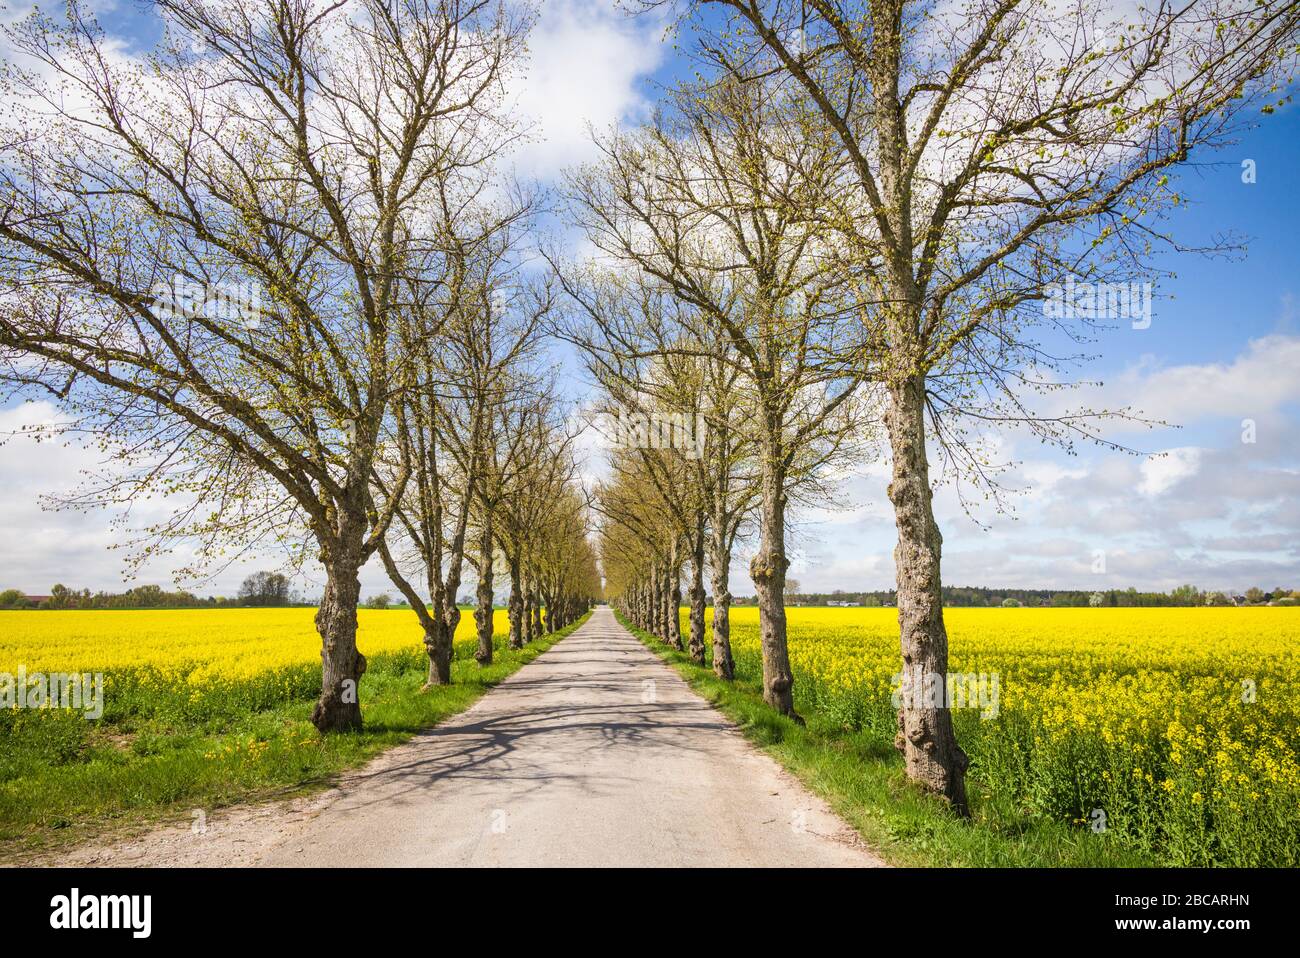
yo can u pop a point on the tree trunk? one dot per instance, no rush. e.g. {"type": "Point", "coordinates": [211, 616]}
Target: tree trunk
{"type": "Point", "coordinates": [437, 642]}
{"type": "Point", "coordinates": [767, 569]}
{"type": "Point", "coordinates": [483, 614]}
{"type": "Point", "coordinates": [430, 617]}
{"type": "Point", "coordinates": [534, 601]}
{"type": "Point", "coordinates": [673, 602]}
{"type": "Point", "coordinates": [526, 609]}
{"type": "Point", "coordinates": [925, 733]}
{"type": "Point", "coordinates": [342, 665]}
{"type": "Point", "coordinates": [656, 602]}
{"type": "Point", "coordinates": [440, 660]}
{"type": "Point", "coordinates": [724, 666]}
{"type": "Point", "coordinates": [447, 651]}
{"type": "Point", "coordinates": [697, 593]}
{"type": "Point", "coordinates": [516, 604]}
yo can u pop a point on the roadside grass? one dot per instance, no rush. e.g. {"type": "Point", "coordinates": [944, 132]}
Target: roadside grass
{"type": "Point", "coordinates": [61, 784]}
{"type": "Point", "coordinates": [862, 777]}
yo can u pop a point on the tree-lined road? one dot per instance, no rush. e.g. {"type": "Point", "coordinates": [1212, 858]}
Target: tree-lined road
{"type": "Point", "coordinates": [596, 753]}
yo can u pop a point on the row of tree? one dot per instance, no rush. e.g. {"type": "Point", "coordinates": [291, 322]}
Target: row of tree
{"type": "Point", "coordinates": [274, 271]}
{"type": "Point", "coordinates": [848, 225]}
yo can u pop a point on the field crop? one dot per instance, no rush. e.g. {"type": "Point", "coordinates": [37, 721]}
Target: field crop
{"type": "Point", "coordinates": [204, 663]}
{"type": "Point", "coordinates": [204, 707]}
{"type": "Point", "coordinates": [1173, 730]}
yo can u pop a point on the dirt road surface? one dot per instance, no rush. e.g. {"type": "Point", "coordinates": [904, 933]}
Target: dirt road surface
{"type": "Point", "coordinates": [596, 753]}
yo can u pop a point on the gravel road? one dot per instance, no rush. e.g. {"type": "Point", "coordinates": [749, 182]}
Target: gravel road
{"type": "Point", "coordinates": [596, 753]}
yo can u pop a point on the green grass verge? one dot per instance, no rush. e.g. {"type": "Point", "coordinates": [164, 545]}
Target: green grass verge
{"type": "Point", "coordinates": [128, 775]}
{"type": "Point", "coordinates": [863, 779]}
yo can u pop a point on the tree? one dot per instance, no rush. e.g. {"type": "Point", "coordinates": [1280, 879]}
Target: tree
{"type": "Point", "coordinates": [568, 579]}
{"type": "Point", "coordinates": [500, 460]}
{"type": "Point", "coordinates": [204, 258]}
{"type": "Point", "coordinates": [474, 340]}
{"type": "Point", "coordinates": [634, 545]}
{"type": "Point", "coordinates": [541, 469]}
{"type": "Point", "coordinates": [381, 601]}
{"type": "Point", "coordinates": [729, 489]}
{"type": "Point", "coordinates": [708, 208]}
{"type": "Point", "coordinates": [997, 152]}
{"type": "Point", "coordinates": [12, 599]}
{"type": "Point", "coordinates": [264, 588]}
{"type": "Point", "coordinates": [680, 407]}
{"type": "Point", "coordinates": [639, 541]}
{"type": "Point", "coordinates": [1254, 595]}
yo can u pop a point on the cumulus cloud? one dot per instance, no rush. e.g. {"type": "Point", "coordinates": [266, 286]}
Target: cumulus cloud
{"type": "Point", "coordinates": [1159, 473]}
{"type": "Point", "coordinates": [1215, 510]}
{"type": "Point", "coordinates": [1252, 385]}
{"type": "Point", "coordinates": [1221, 513]}
{"type": "Point", "coordinates": [586, 67]}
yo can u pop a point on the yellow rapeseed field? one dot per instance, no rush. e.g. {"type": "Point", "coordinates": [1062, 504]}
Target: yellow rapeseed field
{"type": "Point", "coordinates": [231, 643]}
{"type": "Point", "coordinates": [203, 662]}
{"type": "Point", "coordinates": [1174, 729]}
{"type": "Point", "coordinates": [1177, 728]}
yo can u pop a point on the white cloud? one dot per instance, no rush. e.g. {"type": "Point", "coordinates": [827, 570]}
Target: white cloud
{"type": "Point", "coordinates": [1159, 473]}
{"type": "Point", "coordinates": [1258, 381]}
{"type": "Point", "coordinates": [1217, 513]}
{"type": "Point", "coordinates": [586, 62]}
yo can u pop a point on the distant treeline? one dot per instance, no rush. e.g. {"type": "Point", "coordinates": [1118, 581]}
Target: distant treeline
{"type": "Point", "coordinates": [981, 597]}
{"type": "Point", "coordinates": [272, 589]}
{"type": "Point", "coordinates": [259, 589]}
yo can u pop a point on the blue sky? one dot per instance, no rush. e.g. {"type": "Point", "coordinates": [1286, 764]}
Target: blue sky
{"type": "Point", "coordinates": [1214, 510]}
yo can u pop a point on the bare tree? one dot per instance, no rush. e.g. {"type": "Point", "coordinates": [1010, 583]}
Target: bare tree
{"type": "Point", "coordinates": [568, 577]}
{"type": "Point", "coordinates": [711, 208]}
{"type": "Point", "coordinates": [729, 492]}
{"type": "Point", "coordinates": [204, 255]}
{"type": "Point", "coordinates": [446, 411]}
{"type": "Point", "coordinates": [995, 150]}
{"type": "Point", "coordinates": [543, 468]}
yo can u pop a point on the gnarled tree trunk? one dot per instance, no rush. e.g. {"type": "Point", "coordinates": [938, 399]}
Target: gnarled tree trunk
{"type": "Point", "coordinates": [339, 706]}
{"type": "Point", "coordinates": [724, 666]}
{"type": "Point", "coordinates": [526, 609]}
{"type": "Point", "coordinates": [925, 733]}
{"type": "Point", "coordinates": [444, 646]}
{"type": "Point", "coordinates": [483, 614]}
{"type": "Point", "coordinates": [657, 603]}
{"type": "Point", "coordinates": [696, 592]}
{"type": "Point", "coordinates": [516, 602]}
{"type": "Point", "coordinates": [767, 569]}
{"type": "Point", "coordinates": [437, 643]}
{"type": "Point", "coordinates": [673, 602]}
